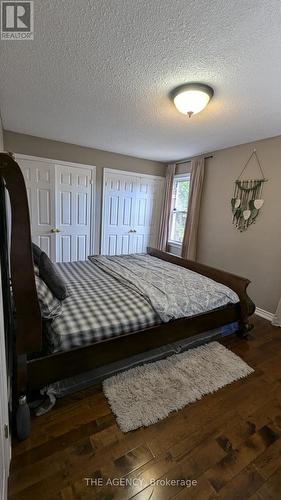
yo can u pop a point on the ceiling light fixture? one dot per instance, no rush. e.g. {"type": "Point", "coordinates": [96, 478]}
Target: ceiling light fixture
{"type": "Point", "coordinates": [191, 98]}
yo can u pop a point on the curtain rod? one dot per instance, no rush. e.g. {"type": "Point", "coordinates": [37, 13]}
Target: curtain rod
{"type": "Point", "coordinates": [188, 160]}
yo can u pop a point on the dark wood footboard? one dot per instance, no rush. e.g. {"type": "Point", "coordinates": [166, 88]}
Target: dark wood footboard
{"type": "Point", "coordinates": [48, 369]}
{"type": "Point", "coordinates": [28, 321]}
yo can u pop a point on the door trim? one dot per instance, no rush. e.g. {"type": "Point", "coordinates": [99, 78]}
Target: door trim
{"type": "Point", "coordinates": [127, 172]}
{"type": "Point", "coordinates": [93, 168]}
{"type": "Point", "coordinates": [51, 160]}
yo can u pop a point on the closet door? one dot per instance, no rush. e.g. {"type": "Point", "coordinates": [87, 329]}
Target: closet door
{"type": "Point", "coordinates": [118, 214]}
{"type": "Point", "coordinates": [40, 183]}
{"type": "Point", "coordinates": [147, 212]}
{"type": "Point", "coordinates": [131, 212]}
{"type": "Point", "coordinates": [73, 213]}
{"type": "Point", "coordinates": [60, 202]}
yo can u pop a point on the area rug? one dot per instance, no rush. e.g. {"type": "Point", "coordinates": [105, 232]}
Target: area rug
{"type": "Point", "coordinates": [148, 393]}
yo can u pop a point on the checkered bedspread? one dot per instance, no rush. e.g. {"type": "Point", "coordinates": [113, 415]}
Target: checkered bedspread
{"type": "Point", "coordinates": [98, 307]}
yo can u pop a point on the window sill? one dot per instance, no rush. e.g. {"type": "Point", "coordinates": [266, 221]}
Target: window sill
{"type": "Point", "coordinates": [175, 244]}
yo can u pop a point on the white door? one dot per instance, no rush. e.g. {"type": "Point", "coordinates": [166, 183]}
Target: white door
{"type": "Point", "coordinates": [60, 202]}
{"type": "Point", "coordinates": [73, 213]}
{"type": "Point", "coordinates": [147, 212]}
{"type": "Point", "coordinates": [118, 214]}
{"type": "Point", "coordinates": [5, 449]}
{"type": "Point", "coordinates": [40, 183]}
{"type": "Point", "coordinates": [131, 212]}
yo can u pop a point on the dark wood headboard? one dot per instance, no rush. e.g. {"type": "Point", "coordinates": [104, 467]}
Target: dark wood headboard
{"type": "Point", "coordinates": [28, 315]}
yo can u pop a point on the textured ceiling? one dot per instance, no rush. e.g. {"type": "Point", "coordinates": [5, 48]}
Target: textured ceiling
{"type": "Point", "coordinates": [98, 73]}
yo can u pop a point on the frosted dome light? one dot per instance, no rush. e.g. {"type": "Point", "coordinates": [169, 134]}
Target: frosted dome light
{"type": "Point", "coordinates": [192, 98]}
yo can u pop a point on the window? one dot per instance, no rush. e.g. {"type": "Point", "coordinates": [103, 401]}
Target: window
{"type": "Point", "coordinates": [179, 207]}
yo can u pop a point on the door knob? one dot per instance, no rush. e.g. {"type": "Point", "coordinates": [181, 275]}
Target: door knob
{"type": "Point", "coordinates": [131, 231]}
{"type": "Point", "coordinates": [55, 230]}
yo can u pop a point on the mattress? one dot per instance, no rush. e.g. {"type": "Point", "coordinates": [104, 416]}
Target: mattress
{"type": "Point", "coordinates": [98, 308]}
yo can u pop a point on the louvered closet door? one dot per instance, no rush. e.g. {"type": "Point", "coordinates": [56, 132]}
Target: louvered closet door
{"type": "Point", "coordinates": [40, 183]}
{"type": "Point", "coordinates": [131, 212]}
{"type": "Point", "coordinates": [73, 213]}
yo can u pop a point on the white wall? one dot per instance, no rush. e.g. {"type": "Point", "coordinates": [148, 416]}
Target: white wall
{"type": "Point", "coordinates": [4, 442]}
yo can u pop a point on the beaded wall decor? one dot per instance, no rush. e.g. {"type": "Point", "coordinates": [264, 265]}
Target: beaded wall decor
{"type": "Point", "coordinates": [247, 198]}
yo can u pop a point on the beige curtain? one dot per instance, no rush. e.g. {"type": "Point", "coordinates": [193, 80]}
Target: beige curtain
{"type": "Point", "coordinates": [165, 216]}
{"type": "Point", "coordinates": [277, 317]}
{"type": "Point", "coordinates": [189, 244]}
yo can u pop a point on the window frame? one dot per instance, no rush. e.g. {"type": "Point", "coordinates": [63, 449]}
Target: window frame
{"type": "Point", "coordinates": [177, 177]}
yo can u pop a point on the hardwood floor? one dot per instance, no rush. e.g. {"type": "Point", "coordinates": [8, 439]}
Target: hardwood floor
{"type": "Point", "coordinates": [229, 443]}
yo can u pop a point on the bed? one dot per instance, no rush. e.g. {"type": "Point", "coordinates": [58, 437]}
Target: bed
{"type": "Point", "coordinates": [99, 285]}
{"type": "Point", "coordinates": [98, 307]}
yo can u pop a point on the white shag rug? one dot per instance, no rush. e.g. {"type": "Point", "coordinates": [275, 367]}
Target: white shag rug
{"type": "Point", "coordinates": [150, 392]}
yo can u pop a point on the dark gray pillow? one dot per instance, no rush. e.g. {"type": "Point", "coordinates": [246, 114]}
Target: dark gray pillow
{"type": "Point", "coordinates": [52, 278]}
{"type": "Point", "coordinates": [36, 253]}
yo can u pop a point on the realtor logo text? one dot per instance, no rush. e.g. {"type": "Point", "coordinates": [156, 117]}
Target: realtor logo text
{"type": "Point", "coordinates": [17, 20]}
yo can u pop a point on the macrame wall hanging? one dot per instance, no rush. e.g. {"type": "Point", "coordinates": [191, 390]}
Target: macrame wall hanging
{"type": "Point", "coordinates": [247, 198]}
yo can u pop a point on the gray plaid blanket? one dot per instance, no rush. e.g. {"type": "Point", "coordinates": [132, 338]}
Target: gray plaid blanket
{"type": "Point", "coordinates": [98, 307]}
{"type": "Point", "coordinates": [173, 291]}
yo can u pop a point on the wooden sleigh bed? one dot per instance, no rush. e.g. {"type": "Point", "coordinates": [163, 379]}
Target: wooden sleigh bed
{"type": "Point", "coordinates": [25, 338]}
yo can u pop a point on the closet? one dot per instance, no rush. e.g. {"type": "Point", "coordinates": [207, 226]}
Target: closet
{"type": "Point", "coordinates": [61, 204]}
{"type": "Point", "coordinates": [131, 211]}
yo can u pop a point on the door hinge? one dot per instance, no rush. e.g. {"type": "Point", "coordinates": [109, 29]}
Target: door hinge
{"type": "Point", "coordinates": [6, 431]}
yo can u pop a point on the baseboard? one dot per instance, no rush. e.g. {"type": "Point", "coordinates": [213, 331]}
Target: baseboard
{"type": "Point", "coordinates": [264, 314]}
